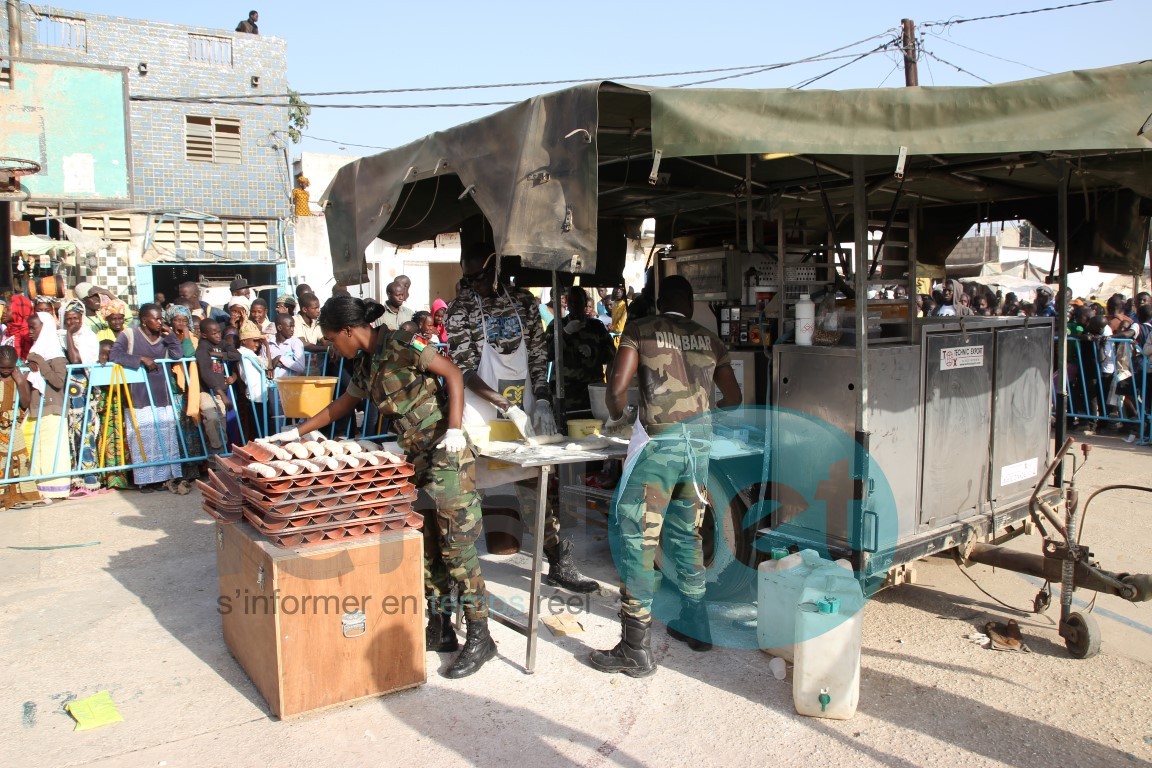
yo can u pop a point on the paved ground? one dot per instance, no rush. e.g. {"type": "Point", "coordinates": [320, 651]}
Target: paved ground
{"type": "Point", "coordinates": [134, 615]}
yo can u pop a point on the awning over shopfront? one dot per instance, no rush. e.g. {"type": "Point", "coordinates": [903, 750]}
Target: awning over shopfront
{"type": "Point", "coordinates": [548, 173]}
{"type": "Point", "coordinates": [38, 245]}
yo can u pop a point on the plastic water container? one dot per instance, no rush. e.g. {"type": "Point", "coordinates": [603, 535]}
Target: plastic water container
{"type": "Point", "coordinates": [826, 676]}
{"type": "Point", "coordinates": [780, 583]}
{"type": "Point", "coordinates": [805, 320]}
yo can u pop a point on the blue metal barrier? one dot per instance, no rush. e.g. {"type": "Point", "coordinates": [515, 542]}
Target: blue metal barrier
{"type": "Point", "coordinates": [1090, 389]}
{"type": "Point", "coordinates": [108, 384]}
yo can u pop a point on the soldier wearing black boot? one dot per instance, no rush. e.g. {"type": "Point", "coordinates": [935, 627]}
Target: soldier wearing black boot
{"type": "Point", "coordinates": [663, 485]}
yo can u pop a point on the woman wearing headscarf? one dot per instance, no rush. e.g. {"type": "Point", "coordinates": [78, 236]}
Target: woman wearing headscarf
{"type": "Point", "coordinates": [44, 429]}
{"type": "Point", "coordinates": [151, 430]}
{"type": "Point", "coordinates": [439, 312]}
{"type": "Point", "coordinates": [81, 347]}
{"type": "Point", "coordinates": [239, 308]}
{"type": "Point", "coordinates": [19, 310]}
{"type": "Point", "coordinates": [115, 314]}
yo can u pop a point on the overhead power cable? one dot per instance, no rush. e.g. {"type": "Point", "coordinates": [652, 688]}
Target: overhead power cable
{"type": "Point", "coordinates": [825, 56]}
{"type": "Point", "coordinates": [990, 55]}
{"type": "Point", "coordinates": [247, 97]}
{"type": "Point", "coordinates": [261, 99]}
{"type": "Point", "coordinates": [951, 22]}
{"type": "Point", "coordinates": [342, 143]}
{"type": "Point", "coordinates": [877, 49]}
{"type": "Point", "coordinates": [956, 67]}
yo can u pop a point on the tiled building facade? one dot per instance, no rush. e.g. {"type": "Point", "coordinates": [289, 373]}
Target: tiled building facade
{"type": "Point", "coordinates": [210, 181]}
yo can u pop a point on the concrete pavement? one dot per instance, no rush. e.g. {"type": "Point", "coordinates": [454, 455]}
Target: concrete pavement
{"type": "Point", "coordinates": [135, 614]}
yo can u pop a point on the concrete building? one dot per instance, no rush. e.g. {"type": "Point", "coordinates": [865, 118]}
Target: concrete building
{"type": "Point", "coordinates": [210, 181]}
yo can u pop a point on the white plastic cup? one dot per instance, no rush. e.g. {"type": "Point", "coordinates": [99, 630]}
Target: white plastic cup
{"type": "Point", "coordinates": [778, 668]}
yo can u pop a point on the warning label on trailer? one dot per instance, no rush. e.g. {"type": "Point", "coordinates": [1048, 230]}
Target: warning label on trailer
{"type": "Point", "coordinates": [1015, 473]}
{"type": "Point", "coordinates": [961, 357]}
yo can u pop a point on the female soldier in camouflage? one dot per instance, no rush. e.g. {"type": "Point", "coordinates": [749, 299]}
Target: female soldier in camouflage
{"type": "Point", "coordinates": [400, 373]}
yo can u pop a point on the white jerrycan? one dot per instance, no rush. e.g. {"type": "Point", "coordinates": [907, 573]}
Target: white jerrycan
{"type": "Point", "coordinates": [779, 585]}
{"type": "Point", "coordinates": [826, 676]}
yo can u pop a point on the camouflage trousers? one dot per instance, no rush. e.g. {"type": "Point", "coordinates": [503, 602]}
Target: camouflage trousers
{"type": "Point", "coordinates": [452, 523]}
{"type": "Point", "coordinates": [660, 499]}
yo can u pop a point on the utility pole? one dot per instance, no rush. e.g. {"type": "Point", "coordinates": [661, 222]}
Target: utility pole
{"type": "Point", "coordinates": [909, 44]}
{"type": "Point", "coordinates": [14, 51]}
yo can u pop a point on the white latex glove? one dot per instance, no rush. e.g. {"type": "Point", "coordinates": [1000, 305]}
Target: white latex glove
{"type": "Point", "coordinates": [543, 422]}
{"type": "Point", "coordinates": [454, 441]}
{"type": "Point", "coordinates": [620, 426]}
{"type": "Point", "coordinates": [517, 416]}
{"type": "Point", "coordinates": [287, 436]}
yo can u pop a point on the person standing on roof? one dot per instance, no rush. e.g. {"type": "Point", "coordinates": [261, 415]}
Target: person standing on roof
{"type": "Point", "coordinates": [496, 339]}
{"type": "Point", "coordinates": [248, 26]}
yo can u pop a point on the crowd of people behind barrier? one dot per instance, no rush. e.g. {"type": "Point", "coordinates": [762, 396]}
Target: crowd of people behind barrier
{"type": "Point", "coordinates": [95, 396]}
{"type": "Point", "coordinates": [1109, 349]}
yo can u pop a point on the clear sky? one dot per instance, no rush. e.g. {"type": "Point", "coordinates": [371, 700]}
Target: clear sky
{"type": "Point", "coordinates": [362, 45]}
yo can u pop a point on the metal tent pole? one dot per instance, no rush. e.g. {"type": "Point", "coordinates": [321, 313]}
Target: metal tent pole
{"type": "Point", "coordinates": [1061, 404]}
{"type": "Point", "coordinates": [862, 470]}
{"type": "Point", "coordinates": [558, 359]}
{"type": "Point", "coordinates": [860, 227]}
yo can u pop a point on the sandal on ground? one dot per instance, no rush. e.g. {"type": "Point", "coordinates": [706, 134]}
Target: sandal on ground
{"type": "Point", "coordinates": [147, 489]}
{"type": "Point", "coordinates": [32, 504]}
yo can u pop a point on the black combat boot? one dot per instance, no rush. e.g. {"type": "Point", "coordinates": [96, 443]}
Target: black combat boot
{"type": "Point", "coordinates": [633, 654]}
{"type": "Point", "coordinates": [692, 626]}
{"type": "Point", "coordinates": [562, 571]}
{"type": "Point", "coordinates": [440, 635]}
{"type": "Point", "coordinates": [479, 647]}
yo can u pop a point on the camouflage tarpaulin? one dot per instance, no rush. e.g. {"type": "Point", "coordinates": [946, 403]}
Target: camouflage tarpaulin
{"type": "Point", "coordinates": [523, 168]}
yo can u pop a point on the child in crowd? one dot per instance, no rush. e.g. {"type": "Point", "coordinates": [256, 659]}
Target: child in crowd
{"type": "Point", "coordinates": [253, 362]}
{"type": "Point", "coordinates": [211, 360]}
{"type": "Point", "coordinates": [425, 326]}
{"type": "Point", "coordinates": [258, 316]}
{"type": "Point", "coordinates": [286, 352]}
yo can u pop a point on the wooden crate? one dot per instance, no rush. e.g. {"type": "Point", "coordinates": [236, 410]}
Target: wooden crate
{"type": "Point", "coordinates": [288, 616]}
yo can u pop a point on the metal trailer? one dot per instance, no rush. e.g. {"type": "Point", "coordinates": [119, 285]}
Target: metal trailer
{"type": "Point", "coordinates": [562, 179]}
{"type": "Point", "coordinates": [960, 441]}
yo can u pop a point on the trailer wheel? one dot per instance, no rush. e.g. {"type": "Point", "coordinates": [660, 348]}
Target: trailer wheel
{"type": "Point", "coordinates": [1082, 635]}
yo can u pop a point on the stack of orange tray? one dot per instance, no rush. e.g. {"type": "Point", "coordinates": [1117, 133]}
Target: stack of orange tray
{"type": "Point", "coordinates": [311, 507]}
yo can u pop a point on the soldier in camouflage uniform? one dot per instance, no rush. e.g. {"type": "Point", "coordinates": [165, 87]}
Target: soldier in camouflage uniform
{"type": "Point", "coordinates": [588, 348]}
{"type": "Point", "coordinates": [488, 318]}
{"type": "Point", "coordinates": [400, 373]}
{"type": "Point", "coordinates": [678, 361]}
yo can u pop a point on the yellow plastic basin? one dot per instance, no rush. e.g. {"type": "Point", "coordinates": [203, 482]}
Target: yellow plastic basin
{"type": "Point", "coordinates": [302, 397]}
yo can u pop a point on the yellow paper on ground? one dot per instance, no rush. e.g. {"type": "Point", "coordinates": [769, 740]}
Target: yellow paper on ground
{"type": "Point", "coordinates": [95, 711]}
{"type": "Point", "coordinates": [562, 624]}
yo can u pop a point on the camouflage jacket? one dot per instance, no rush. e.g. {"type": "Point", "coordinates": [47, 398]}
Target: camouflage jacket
{"type": "Point", "coordinates": [395, 379]}
{"type": "Point", "coordinates": [586, 352]}
{"type": "Point", "coordinates": [678, 361]}
{"type": "Point", "coordinates": [500, 320]}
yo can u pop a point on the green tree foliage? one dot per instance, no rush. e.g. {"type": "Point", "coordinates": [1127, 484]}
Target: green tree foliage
{"type": "Point", "coordinates": [298, 112]}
